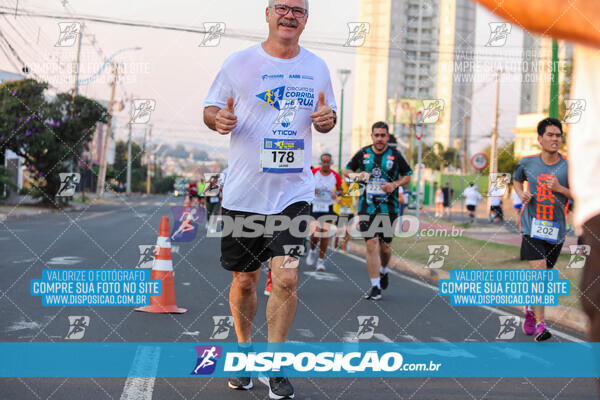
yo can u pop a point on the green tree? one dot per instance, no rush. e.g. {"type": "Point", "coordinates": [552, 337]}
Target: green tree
{"type": "Point", "coordinates": [506, 158]}
{"type": "Point", "coordinates": [437, 157]}
{"type": "Point", "coordinates": [49, 135]}
{"type": "Point", "coordinates": [119, 168]}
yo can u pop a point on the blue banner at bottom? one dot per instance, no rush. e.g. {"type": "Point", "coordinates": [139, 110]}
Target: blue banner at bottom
{"type": "Point", "coordinates": [312, 359]}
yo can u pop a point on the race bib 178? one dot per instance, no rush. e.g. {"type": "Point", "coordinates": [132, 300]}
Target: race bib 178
{"type": "Point", "coordinates": [282, 155]}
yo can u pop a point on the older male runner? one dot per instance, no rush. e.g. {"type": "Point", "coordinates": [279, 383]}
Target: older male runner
{"type": "Point", "coordinates": [268, 97]}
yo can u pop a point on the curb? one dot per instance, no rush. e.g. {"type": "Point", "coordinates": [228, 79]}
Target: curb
{"type": "Point", "coordinates": [566, 316]}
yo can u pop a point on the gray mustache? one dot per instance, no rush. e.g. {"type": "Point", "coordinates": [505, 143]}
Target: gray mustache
{"type": "Point", "coordinates": [288, 22]}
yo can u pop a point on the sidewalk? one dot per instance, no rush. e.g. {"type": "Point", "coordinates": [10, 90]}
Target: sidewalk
{"type": "Point", "coordinates": [505, 233]}
{"type": "Point", "coordinates": [25, 206]}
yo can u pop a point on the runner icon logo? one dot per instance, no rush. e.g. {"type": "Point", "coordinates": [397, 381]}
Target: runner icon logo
{"type": "Point", "coordinates": [574, 108]}
{"type": "Point", "coordinates": [508, 327]}
{"type": "Point", "coordinates": [293, 252]}
{"type": "Point", "coordinates": [366, 326]}
{"type": "Point", "coordinates": [142, 110]}
{"type": "Point", "coordinates": [287, 113]}
{"type": "Point", "coordinates": [223, 325]}
{"type": "Point", "coordinates": [579, 254]}
{"type": "Point", "coordinates": [499, 182]}
{"type": "Point", "coordinates": [207, 359]}
{"type": "Point", "coordinates": [146, 256]}
{"type": "Point", "coordinates": [186, 220]}
{"type": "Point", "coordinates": [214, 31]}
{"type": "Point", "coordinates": [499, 32]}
{"type": "Point", "coordinates": [437, 255]}
{"type": "Point", "coordinates": [68, 183]}
{"type": "Point", "coordinates": [68, 33]}
{"type": "Point", "coordinates": [432, 110]}
{"type": "Point", "coordinates": [77, 326]}
{"type": "Point", "coordinates": [357, 33]}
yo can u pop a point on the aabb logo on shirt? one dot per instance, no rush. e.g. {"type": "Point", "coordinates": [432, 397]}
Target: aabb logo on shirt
{"type": "Point", "coordinates": [272, 97]}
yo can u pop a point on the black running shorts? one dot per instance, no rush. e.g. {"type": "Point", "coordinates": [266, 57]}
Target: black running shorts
{"type": "Point", "coordinates": [245, 254]}
{"type": "Point", "coordinates": [538, 249]}
{"type": "Point", "coordinates": [373, 226]}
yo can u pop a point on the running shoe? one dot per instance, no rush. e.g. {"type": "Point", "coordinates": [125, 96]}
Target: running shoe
{"type": "Point", "coordinates": [269, 286]}
{"type": "Point", "coordinates": [374, 294]}
{"type": "Point", "coordinates": [312, 257]}
{"type": "Point", "coordinates": [541, 333]}
{"type": "Point", "coordinates": [279, 388]}
{"type": "Point", "coordinates": [320, 265]}
{"type": "Point", "coordinates": [529, 322]}
{"type": "Point", "coordinates": [384, 280]}
{"type": "Point", "coordinates": [240, 383]}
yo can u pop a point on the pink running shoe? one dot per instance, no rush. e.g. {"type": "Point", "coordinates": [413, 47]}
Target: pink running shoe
{"type": "Point", "coordinates": [269, 286]}
{"type": "Point", "coordinates": [529, 322]}
{"type": "Point", "coordinates": [541, 333]}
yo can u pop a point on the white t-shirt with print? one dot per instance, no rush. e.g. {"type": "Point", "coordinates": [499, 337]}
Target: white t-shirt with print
{"type": "Point", "coordinates": [273, 100]}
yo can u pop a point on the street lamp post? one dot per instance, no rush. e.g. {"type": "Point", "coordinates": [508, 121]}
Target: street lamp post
{"type": "Point", "coordinates": [344, 74]}
{"type": "Point", "coordinates": [104, 159]}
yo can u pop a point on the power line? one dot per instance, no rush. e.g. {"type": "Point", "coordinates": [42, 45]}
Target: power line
{"type": "Point", "coordinates": [384, 51]}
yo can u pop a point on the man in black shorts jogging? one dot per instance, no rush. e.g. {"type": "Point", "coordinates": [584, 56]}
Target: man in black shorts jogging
{"type": "Point", "coordinates": [268, 97]}
{"type": "Point", "coordinates": [543, 220]}
{"type": "Point", "coordinates": [384, 169]}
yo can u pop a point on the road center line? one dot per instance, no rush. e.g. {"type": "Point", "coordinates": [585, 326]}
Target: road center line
{"type": "Point", "coordinates": [145, 363]}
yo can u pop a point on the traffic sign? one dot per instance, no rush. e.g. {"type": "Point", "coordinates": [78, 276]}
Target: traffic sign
{"type": "Point", "coordinates": [479, 161]}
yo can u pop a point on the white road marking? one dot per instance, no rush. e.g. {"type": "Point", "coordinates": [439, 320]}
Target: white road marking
{"type": "Point", "coordinates": [25, 261]}
{"type": "Point", "coordinates": [65, 260]}
{"type": "Point", "coordinates": [409, 337]}
{"type": "Point", "coordinates": [307, 333]}
{"type": "Point", "coordinates": [350, 337]}
{"type": "Point", "coordinates": [195, 333]}
{"type": "Point", "coordinates": [145, 363]}
{"type": "Point", "coordinates": [555, 332]}
{"type": "Point", "coordinates": [381, 337]}
{"type": "Point", "coordinates": [186, 283]}
{"type": "Point", "coordinates": [22, 325]}
{"type": "Point", "coordinates": [323, 276]}
{"type": "Point", "coordinates": [440, 339]}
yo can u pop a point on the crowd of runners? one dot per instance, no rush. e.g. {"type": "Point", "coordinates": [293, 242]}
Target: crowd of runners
{"type": "Point", "coordinates": [272, 98]}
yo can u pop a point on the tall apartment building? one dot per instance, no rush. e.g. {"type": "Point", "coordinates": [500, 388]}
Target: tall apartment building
{"type": "Point", "coordinates": [411, 52]}
{"type": "Point", "coordinates": [535, 88]}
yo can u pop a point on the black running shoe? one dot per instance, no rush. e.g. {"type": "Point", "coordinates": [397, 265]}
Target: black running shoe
{"type": "Point", "coordinates": [279, 388]}
{"type": "Point", "coordinates": [374, 294]}
{"type": "Point", "coordinates": [384, 280]}
{"type": "Point", "coordinates": [240, 383]}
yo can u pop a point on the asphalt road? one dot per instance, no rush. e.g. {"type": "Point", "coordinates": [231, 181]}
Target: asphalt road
{"type": "Point", "coordinates": [108, 236]}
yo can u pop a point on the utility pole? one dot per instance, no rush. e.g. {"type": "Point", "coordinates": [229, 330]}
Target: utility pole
{"type": "Point", "coordinates": [77, 61]}
{"type": "Point", "coordinates": [148, 162]}
{"type": "Point", "coordinates": [465, 159]}
{"type": "Point", "coordinates": [104, 158]}
{"type": "Point", "coordinates": [553, 109]}
{"type": "Point", "coordinates": [493, 155]}
{"type": "Point", "coordinates": [128, 190]}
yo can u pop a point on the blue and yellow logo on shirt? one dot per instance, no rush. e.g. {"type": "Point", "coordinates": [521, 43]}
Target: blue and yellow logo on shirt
{"type": "Point", "coordinates": [272, 97]}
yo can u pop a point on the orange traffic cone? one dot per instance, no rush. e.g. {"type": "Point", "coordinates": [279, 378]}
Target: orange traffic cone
{"type": "Point", "coordinates": [163, 269]}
